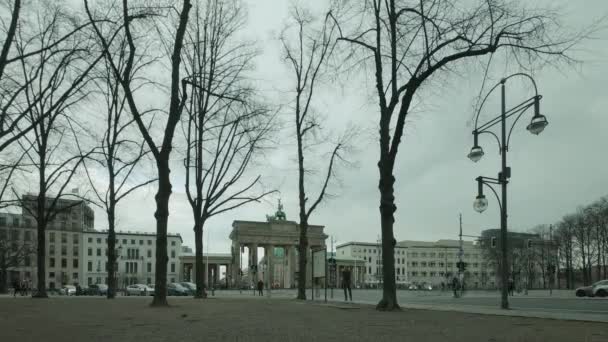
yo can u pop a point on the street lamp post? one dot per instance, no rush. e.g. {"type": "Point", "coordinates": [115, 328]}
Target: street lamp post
{"type": "Point", "coordinates": [536, 126]}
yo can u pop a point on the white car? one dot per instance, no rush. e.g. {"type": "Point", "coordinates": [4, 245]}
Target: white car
{"type": "Point", "coordinates": [68, 290]}
{"type": "Point", "coordinates": [599, 289]}
{"type": "Point", "coordinates": [139, 290]}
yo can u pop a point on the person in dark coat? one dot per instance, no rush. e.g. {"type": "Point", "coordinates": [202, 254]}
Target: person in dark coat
{"type": "Point", "coordinates": [260, 287]}
{"type": "Point", "coordinates": [15, 287]}
{"type": "Point", "coordinates": [455, 286]}
{"type": "Point", "coordinates": [346, 284]}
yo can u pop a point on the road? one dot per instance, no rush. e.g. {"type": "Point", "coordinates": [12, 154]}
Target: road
{"type": "Point", "coordinates": [536, 301]}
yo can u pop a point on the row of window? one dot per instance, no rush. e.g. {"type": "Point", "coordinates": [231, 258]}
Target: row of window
{"type": "Point", "coordinates": [125, 241]}
{"type": "Point", "coordinates": [64, 263]}
{"type": "Point", "coordinates": [64, 250]}
{"type": "Point", "coordinates": [130, 267]}
{"type": "Point", "coordinates": [52, 276]}
{"type": "Point", "coordinates": [132, 253]}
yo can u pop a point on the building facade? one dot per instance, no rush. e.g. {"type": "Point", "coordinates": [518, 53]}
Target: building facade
{"type": "Point", "coordinates": [136, 257]}
{"type": "Point", "coordinates": [76, 253]}
{"type": "Point", "coordinates": [421, 262]}
{"type": "Point", "coordinates": [18, 231]}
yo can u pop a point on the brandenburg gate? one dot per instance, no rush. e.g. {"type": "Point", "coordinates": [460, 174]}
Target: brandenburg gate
{"type": "Point", "coordinates": [276, 235]}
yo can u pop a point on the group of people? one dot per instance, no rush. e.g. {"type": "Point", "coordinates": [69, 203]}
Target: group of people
{"type": "Point", "coordinates": [22, 287]}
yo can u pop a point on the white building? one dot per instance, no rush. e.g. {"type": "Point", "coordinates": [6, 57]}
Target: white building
{"type": "Point", "coordinates": [136, 260]}
{"type": "Point", "coordinates": [422, 262]}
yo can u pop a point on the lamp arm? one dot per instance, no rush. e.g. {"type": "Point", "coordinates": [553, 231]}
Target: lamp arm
{"type": "Point", "coordinates": [495, 136]}
{"type": "Point", "coordinates": [494, 191]}
{"type": "Point", "coordinates": [523, 111]}
{"type": "Point", "coordinates": [484, 101]}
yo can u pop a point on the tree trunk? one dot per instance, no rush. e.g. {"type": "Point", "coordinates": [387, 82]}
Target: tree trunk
{"type": "Point", "coordinates": [41, 230]}
{"type": "Point", "coordinates": [111, 247]}
{"type": "Point", "coordinates": [3, 277]}
{"type": "Point", "coordinates": [162, 216]}
{"type": "Point", "coordinates": [302, 259]}
{"type": "Point", "coordinates": [387, 210]}
{"type": "Point", "coordinates": [198, 259]}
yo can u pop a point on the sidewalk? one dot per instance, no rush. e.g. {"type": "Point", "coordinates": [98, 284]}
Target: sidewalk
{"type": "Point", "coordinates": [240, 319]}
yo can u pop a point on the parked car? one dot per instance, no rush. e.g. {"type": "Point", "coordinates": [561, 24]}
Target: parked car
{"type": "Point", "coordinates": [139, 290]}
{"type": "Point", "coordinates": [426, 287]}
{"type": "Point", "coordinates": [413, 287]}
{"type": "Point", "coordinates": [68, 290]}
{"type": "Point", "coordinates": [190, 287]}
{"type": "Point", "coordinates": [599, 289]}
{"type": "Point", "coordinates": [175, 289]}
{"type": "Point", "coordinates": [97, 290]}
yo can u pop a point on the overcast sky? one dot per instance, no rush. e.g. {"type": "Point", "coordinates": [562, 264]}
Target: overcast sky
{"type": "Point", "coordinates": [552, 173]}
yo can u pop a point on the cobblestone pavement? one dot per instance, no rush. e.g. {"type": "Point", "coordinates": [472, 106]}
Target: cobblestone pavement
{"type": "Point", "coordinates": [247, 319]}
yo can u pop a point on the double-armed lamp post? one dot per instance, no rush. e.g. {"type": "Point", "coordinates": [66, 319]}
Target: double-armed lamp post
{"type": "Point", "coordinates": [537, 124]}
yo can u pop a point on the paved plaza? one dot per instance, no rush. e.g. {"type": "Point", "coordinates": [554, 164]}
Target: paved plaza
{"type": "Point", "coordinates": [262, 319]}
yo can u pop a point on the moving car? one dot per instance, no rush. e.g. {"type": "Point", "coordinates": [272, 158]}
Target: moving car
{"type": "Point", "coordinates": [190, 287]}
{"type": "Point", "coordinates": [599, 289]}
{"type": "Point", "coordinates": [175, 289]}
{"type": "Point", "coordinates": [97, 290]}
{"type": "Point", "coordinates": [68, 290]}
{"type": "Point", "coordinates": [139, 290]}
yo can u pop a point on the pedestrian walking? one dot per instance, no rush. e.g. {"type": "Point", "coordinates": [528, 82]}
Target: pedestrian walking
{"type": "Point", "coordinates": [22, 288]}
{"type": "Point", "coordinates": [260, 288]}
{"type": "Point", "coordinates": [455, 286]}
{"type": "Point", "coordinates": [15, 287]}
{"type": "Point", "coordinates": [346, 284]}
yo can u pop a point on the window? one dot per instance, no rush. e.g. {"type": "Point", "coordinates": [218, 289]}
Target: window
{"type": "Point", "coordinates": [64, 250]}
{"type": "Point", "coordinates": [51, 249]}
{"type": "Point", "coordinates": [414, 264]}
{"type": "Point", "coordinates": [414, 274]}
{"type": "Point", "coordinates": [98, 240]}
{"type": "Point", "coordinates": [3, 221]}
{"type": "Point", "coordinates": [423, 264]}
{"type": "Point", "coordinates": [64, 263]}
{"type": "Point", "coordinates": [172, 254]}
{"type": "Point", "coordinates": [173, 280]}
{"type": "Point", "coordinates": [64, 238]}
{"type": "Point", "coordinates": [149, 242]}
{"type": "Point", "coordinates": [75, 251]}
{"type": "Point", "coordinates": [141, 242]}
{"type": "Point", "coordinates": [172, 267]}
{"type": "Point", "coordinates": [75, 276]}
{"type": "Point", "coordinates": [51, 274]}
{"type": "Point", "coordinates": [370, 270]}
{"type": "Point", "coordinates": [370, 259]}
{"type": "Point", "coordinates": [399, 271]}
{"type": "Point", "coordinates": [431, 264]}
{"type": "Point", "coordinates": [75, 239]}
{"type": "Point", "coordinates": [431, 255]}
{"type": "Point", "coordinates": [149, 280]}
{"type": "Point", "coordinates": [132, 241]}
{"type": "Point", "coordinates": [52, 237]}
{"type": "Point", "coordinates": [414, 255]}
{"type": "Point", "coordinates": [90, 252]}
{"type": "Point", "coordinates": [51, 262]}
{"type": "Point", "coordinates": [90, 267]}
{"type": "Point", "coordinates": [90, 281]}
{"type": "Point", "coordinates": [75, 263]}
{"type": "Point", "coordinates": [432, 274]}
{"type": "Point", "coordinates": [98, 251]}
{"type": "Point", "coordinates": [149, 253]}
{"type": "Point", "coordinates": [90, 241]}
{"type": "Point", "coordinates": [172, 243]}
{"type": "Point", "coordinates": [423, 274]}
{"type": "Point", "coordinates": [149, 267]}
{"type": "Point", "coordinates": [441, 264]}
{"type": "Point", "coordinates": [124, 241]}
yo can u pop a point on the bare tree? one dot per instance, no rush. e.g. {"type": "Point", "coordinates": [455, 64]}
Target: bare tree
{"type": "Point", "coordinates": [307, 45]}
{"type": "Point", "coordinates": [177, 102]}
{"type": "Point", "coordinates": [120, 155]}
{"type": "Point", "coordinates": [21, 43]}
{"type": "Point", "coordinates": [409, 43]}
{"type": "Point", "coordinates": [224, 129]}
{"type": "Point", "coordinates": [55, 78]}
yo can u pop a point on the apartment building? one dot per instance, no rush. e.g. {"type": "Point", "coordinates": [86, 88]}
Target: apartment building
{"type": "Point", "coordinates": [136, 260]}
{"type": "Point", "coordinates": [423, 262]}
